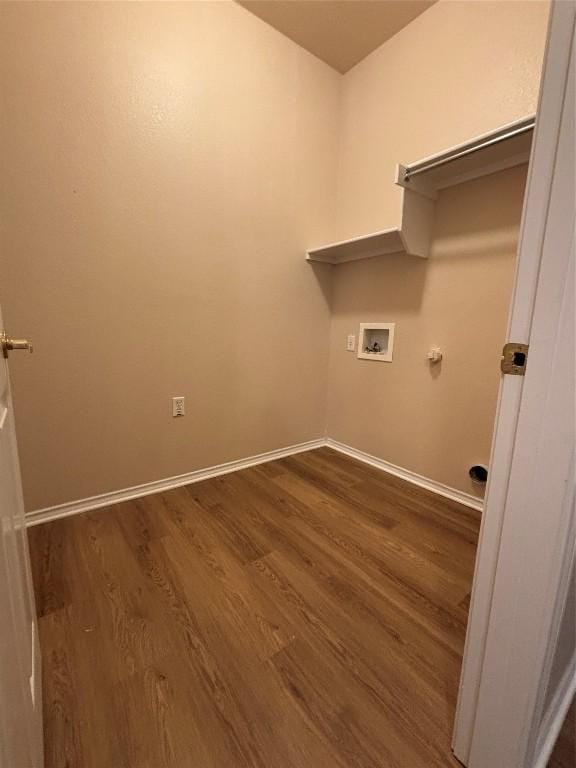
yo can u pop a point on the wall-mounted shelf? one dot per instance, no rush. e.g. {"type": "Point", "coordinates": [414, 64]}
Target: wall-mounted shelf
{"type": "Point", "coordinates": [411, 237]}
{"type": "Point", "coordinates": [376, 244]}
{"type": "Point", "coordinates": [421, 181]}
{"type": "Point", "coordinates": [487, 154]}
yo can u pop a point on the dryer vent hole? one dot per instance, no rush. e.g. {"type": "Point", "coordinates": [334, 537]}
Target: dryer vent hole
{"type": "Point", "coordinates": [478, 474]}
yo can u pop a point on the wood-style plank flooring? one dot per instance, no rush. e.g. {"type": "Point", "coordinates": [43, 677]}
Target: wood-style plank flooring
{"type": "Point", "coordinates": [306, 613]}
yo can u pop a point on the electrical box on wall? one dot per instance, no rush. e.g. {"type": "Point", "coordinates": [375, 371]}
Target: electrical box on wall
{"type": "Point", "coordinates": [376, 341]}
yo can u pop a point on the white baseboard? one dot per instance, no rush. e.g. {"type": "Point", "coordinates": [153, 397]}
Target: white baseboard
{"type": "Point", "coordinates": [553, 719]}
{"type": "Point", "coordinates": [405, 474]}
{"type": "Point", "coordinates": [158, 486]}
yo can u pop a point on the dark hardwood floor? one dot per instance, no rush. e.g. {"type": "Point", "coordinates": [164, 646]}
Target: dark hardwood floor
{"type": "Point", "coordinates": [306, 613]}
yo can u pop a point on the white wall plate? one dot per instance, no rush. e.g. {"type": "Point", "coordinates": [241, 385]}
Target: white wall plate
{"type": "Point", "coordinates": [376, 341]}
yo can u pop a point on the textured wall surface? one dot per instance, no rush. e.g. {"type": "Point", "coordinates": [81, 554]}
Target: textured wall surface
{"type": "Point", "coordinates": [164, 166]}
{"type": "Point", "coordinates": [435, 420]}
{"type": "Point", "coordinates": [457, 71]}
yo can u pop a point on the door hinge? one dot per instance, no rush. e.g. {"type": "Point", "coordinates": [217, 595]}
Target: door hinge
{"type": "Point", "coordinates": [514, 358]}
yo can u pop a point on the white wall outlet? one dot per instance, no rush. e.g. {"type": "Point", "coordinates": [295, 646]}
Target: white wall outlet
{"type": "Point", "coordinates": [350, 343]}
{"type": "Point", "coordinates": [178, 406]}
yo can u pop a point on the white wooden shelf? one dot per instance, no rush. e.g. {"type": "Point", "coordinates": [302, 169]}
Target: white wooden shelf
{"type": "Point", "coordinates": [492, 152]}
{"type": "Point", "coordinates": [411, 237]}
{"type": "Point", "coordinates": [376, 244]}
{"type": "Point", "coordinates": [421, 181]}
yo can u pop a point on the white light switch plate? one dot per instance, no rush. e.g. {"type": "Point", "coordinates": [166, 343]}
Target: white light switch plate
{"type": "Point", "coordinates": [350, 343]}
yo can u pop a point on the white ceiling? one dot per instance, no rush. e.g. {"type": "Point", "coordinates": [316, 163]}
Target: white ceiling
{"type": "Point", "coordinates": [340, 32]}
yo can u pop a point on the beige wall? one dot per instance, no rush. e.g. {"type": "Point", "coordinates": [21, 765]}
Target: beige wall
{"type": "Point", "coordinates": [164, 166]}
{"type": "Point", "coordinates": [458, 70]}
{"type": "Point", "coordinates": [435, 420]}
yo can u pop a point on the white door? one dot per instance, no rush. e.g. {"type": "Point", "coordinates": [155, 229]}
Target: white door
{"type": "Point", "coordinates": [20, 679]}
{"type": "Point", "coordinates": [527, 539]}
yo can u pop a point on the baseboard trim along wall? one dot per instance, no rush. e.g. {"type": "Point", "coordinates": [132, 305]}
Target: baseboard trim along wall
{"type": "Point", "coordinates": [405, 474]}
{"type": "Point", "coordinates": [157, 486]}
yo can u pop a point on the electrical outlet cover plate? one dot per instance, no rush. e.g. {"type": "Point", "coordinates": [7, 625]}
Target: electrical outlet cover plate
{"type": "Point", "coordinates": [178, 406]}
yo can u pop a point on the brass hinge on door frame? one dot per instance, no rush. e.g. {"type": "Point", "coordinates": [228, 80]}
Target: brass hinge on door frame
{"type": "Point", "coordinates": [514, 359]}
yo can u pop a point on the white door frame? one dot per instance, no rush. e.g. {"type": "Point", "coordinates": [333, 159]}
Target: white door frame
{"type": "Point", "coordinates": [522, 560]}
{"type": "Point", "coordinates": [21, 734]}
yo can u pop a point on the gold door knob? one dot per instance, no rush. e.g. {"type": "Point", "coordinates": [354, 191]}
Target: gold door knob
{"type": "Point", "coordinates": [10, 345]}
